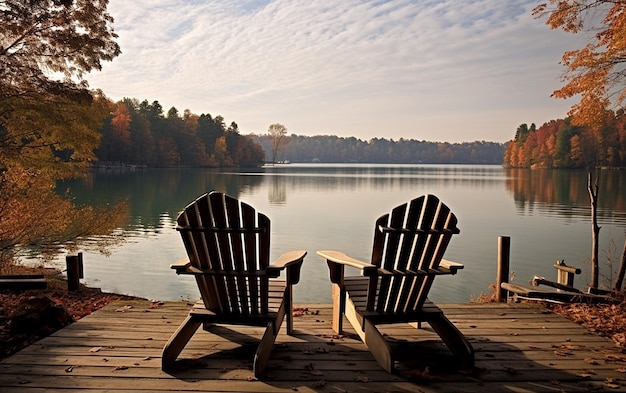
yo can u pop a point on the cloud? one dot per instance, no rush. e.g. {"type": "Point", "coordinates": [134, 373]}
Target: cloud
{"type": "Point", "coordinates": [435, 70]}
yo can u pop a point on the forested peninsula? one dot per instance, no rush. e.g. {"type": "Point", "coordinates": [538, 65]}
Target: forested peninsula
{"type": "Point", "coordinates": [561, 144]}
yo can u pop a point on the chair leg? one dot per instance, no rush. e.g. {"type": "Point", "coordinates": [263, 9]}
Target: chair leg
{"type": "Point", "coordinates": [262, 356]}
{"type": "Point", "coordinates": [339, 306]}
{"type": "Point", "coordinates": [288, 300]}
{"type": "Point", "coordinates": [177, 342]}
{"type": "Point", "coordinates": [372, 338]}
{"type": "Point", "coordinates": [455, 340]}
{"type": "Point", "coordinates": [379, 347]}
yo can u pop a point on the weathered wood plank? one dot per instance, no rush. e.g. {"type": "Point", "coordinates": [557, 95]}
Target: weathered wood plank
{"type": "Point", "coordinates": [518, 348]}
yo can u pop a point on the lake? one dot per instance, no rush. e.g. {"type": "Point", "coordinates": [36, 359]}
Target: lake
{"type": "Point", "coordinates": [330, 206]}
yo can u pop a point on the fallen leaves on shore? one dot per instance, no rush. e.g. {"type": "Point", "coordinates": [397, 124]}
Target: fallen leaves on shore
{"type": "Point", "coordinates": [77, 303]}
{"type": "Point", "coordinates": [608, 320]}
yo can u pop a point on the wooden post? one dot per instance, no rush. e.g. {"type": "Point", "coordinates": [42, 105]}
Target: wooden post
{"type": "Point", "coordinates": [565, 274]}
{"type": "Point", "coordinates": [73, 263]}
{"type": "Point", "coordinates": [504, 251]}
{"type": "Point", "coordinates": [81, 270]}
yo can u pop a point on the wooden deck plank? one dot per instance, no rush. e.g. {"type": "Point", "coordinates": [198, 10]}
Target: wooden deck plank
{"type": "Point", "coordinates": [519, 348]}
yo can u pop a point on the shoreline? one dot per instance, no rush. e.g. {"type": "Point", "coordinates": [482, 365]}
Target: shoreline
{"type": "Point", "coordinates": [603, 319]}
{"type": "Point", "coordinates": [68, 307]}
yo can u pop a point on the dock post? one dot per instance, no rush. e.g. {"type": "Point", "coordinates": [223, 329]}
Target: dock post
{"type": "Point", "coordinates": [74, 265]}
{"type": "Point", "coordinates": [504, 251]}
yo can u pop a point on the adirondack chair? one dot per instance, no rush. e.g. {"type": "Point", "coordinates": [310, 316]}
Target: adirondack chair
{"type": "Point", "coordinates": [228, 248]}
{"type": "Point", "coordinates": [407, 253]}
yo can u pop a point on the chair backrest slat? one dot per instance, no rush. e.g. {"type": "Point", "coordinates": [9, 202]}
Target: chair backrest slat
{"type": "Point", "coordinates": [249, 256]}
{"type": "Point", "coordinates": [222, 234]}
{"type": "Point", "coordinates": [412, 239]}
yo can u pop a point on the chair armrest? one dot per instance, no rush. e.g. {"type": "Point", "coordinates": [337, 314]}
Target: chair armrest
{"type": "Point", "coordinates": [181, 266]}
{"type": "Point", "coordinates": [452, 266]}
{"type": "Point", "coordinates": [292, 260]}
{"type": "Point", "coordinates": [288, 258]}
{"type": "Point", "coordinates": [340, 257]}
{"type": "Point", "coordinates": [338, 260]}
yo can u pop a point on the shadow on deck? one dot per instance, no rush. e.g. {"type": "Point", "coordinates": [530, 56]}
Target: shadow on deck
{"type": "Point", "coordinates": [519, 348]}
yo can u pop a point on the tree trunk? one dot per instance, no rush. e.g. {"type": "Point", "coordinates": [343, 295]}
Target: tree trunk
{"type": "Point", "coordinates": [592, 187]}
{"type": "Point", "coordinates": [621, 271]}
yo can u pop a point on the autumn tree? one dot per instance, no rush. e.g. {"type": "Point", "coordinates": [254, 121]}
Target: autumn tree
{"type": "Point", "coordinates": [596, 72]}
{"type": "Point", "coordinates": [278, 135]}
{"type": "Point", "coordinates": [49, 119]}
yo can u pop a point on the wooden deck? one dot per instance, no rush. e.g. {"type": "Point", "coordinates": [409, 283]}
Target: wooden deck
{"type": "Point", "coordinates": [519, 348]}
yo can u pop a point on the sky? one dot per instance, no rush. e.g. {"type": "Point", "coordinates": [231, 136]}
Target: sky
{"type": "Point", "coordinates": [434, 70]}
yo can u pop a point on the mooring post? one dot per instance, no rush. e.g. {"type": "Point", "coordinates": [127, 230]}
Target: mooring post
{"type": "Point", "coordinates": [504, 251]}
{"type": "Point", "coordinates": [74, 265]}
{"type": "Point", "coordinates": [81, 270]}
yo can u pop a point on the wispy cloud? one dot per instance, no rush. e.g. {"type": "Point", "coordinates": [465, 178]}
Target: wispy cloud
{"type": "Point", "coordinates": [434, 70]}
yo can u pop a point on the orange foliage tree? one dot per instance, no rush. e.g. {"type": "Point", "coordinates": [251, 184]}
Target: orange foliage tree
{"type": "Point", "coordinates": [595, 72]}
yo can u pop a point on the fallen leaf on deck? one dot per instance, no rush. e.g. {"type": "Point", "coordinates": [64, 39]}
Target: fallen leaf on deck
{"type": "Point", "coordinates": [611, 383]}
{"type": "Point", "coordinates": [419, 375]}
{"type": "Point", "coordinates": [124, 308]}
{"type": "Point", "coordinates": [614, 357]}
{"type": "Point", "coordinates": [95, 349]}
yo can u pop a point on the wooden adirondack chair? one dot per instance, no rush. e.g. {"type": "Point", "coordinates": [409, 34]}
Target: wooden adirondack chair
{"type": "Point", "coordinates": [228, 248]}
{"type": "Point", "coordinates": [407, 253]}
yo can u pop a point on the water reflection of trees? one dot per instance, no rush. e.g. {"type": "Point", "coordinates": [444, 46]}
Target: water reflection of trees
{"type": "Point", "coordinates": [277, 191]}
{"type": "Point", "coordinates": [155, 195]}
{"type": "Point", "coordinates": [565, 193]}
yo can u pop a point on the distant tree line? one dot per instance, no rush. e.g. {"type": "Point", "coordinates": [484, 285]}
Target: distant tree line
{"type": "Point", "coordinates": [141, 133]}
{"type": "Point", "coordinates": [334, 149]}
{"type": "Point", "coordinates": [561, 144]}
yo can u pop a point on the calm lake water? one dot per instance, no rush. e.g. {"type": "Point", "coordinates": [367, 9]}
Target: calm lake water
{"type": "Point", "coordinates": [545, 212]}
